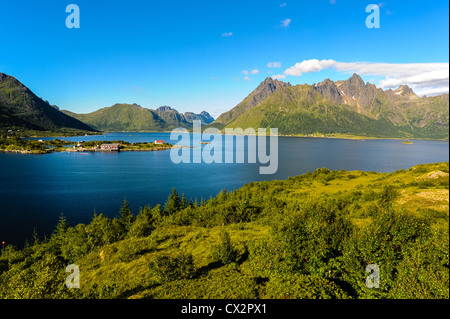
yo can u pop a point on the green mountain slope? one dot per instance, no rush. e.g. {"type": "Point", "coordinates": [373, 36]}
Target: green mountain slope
{"type": "Point", "coordinates": [310, 236]}
{"type": "Point", "coordinates": [134, 118]}
{"type": "Point", "coordinates": [21, 108]}
{"type": "Point", "coordinates": [349, 107]}
{"type": "Point", "coordinates": [261, 93]}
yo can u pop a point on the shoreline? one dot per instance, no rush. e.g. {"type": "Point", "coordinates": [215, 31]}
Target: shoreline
{"type": "Point", "coordinates": [340, 136]}
{"type": "Point", "coordinates": [70, 150]}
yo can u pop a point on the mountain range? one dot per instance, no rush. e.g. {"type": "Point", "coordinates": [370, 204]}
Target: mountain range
{"type": "Point", "coordinates": [350, 107]}
{"type": "Point", "coordinates": [133, 118]}
{"type": "Point", "coordinates": [21, 109]}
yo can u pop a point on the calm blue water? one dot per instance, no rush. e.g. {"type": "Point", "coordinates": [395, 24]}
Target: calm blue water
{"type": "Point", "coordinates": [36, 189]}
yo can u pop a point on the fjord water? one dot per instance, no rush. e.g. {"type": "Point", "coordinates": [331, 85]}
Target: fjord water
{"type": "Point", "coordinates": [36, 189]}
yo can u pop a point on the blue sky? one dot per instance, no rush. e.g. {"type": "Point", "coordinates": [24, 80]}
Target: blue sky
{"type": "Point", "coordinates": [209, 55]}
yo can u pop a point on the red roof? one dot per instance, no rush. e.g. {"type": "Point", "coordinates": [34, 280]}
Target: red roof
{"type": "Point", "coordinates": [159, 141]}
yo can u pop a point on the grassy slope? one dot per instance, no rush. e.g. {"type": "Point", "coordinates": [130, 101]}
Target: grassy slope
{"type": "Point", "coordinates": [300, 110]}
{"type": "Point", "coordinates": [422, 189]}
{"type": "Point", "coordinates": [134, 118]}
{"type": "Point", "coordinates": [122, 118]}
{"type": "Point", "coordinates": [307, 213]}
{"type": "Point", "coordinates": [22, 109]}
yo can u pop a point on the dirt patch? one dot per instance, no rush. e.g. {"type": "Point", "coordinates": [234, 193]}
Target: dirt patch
{"type": "Point", "coordinates": [437, 174]}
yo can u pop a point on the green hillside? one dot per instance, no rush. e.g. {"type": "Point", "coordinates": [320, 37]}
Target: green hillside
{"type": "Point", "coordinates": [22, 109]}
{"type": "Point", "coordinates": [310, 236]}
{"type": "Point", "coordinates": [300, 110]}
{"type": "Point", "coordinates": [121, 117]}
{"type": "Point", "coordinates": [351, 108]}
{"type": "Point", "coordinates": [134, 118]}
{"type": "Point", "coordinates": [261, 93]}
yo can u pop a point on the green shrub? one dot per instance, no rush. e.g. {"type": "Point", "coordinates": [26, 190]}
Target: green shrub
{"type": "Point", "coordinates": [224, 252]}
{"type": "Point", "coordinates": [168, 268]}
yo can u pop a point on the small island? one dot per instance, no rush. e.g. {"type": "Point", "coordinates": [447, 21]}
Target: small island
{"type": "Point", "coordinates": [407, 142]}
{"type": "Point", "coordinates": [32, 146]}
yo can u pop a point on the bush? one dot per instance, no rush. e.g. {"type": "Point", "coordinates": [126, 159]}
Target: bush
{"type": "Point", "coordinates": [385, 243]}
{"type": "Point", "coordinates": [388, 195]}
{"type": "Point", "coordinates": [224, 252]}
{"type": "Point", "coordinates": [298, 286]}
{"type": "Point", "coordinates": [169, 268]}
{"type": "Point", "coordinates": [127, 251]}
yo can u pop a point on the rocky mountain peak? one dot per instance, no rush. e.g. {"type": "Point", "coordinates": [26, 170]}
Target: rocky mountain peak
{"type": "Point", "coordinates": [261, 93]}
{"type": "Point", "coordinates": [356, 79]}
{"type": "Point", "coordinates": [351, 89]}
{"type": "Point", "coordinates": [272, 85]}
{"type": "Point", "coordinates": [404, 90]}
{"type": "Point", "coordinates": [329, 89]}
{"type": "Point", "coordinates": [164, 108]}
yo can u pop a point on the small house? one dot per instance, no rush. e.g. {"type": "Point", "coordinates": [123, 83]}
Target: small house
{"type": "Point", "coordinates": [159, 142]}
{"type": "Point", "coordinates": [110, 147]}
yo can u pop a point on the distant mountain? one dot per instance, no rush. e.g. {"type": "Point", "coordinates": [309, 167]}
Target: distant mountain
{"type": "Point", "coordinates": [345, 107]}
{"type": "Point", "coordinates": [134, 118]}
{"type": "Point", "coordinates": [22, 109]}
{"type": "Point", "coordinates": [260, 94]}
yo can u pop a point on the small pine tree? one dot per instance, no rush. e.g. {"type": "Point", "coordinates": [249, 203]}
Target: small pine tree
{"type": "Point", "coordinates": [62, 226]}
{"type": "Point", "coordinates": [35, 237]}
{"type": "Point", "coordinates": [126, 216]}
{"type": "Point", "coordinates": [57, 238]}
{"type": "Point", "coordinates": [184, 202]}
{"type": "Point", "coordinates": [224, 252]}
{"type": "Point", "coordinates": [173, 203]}
{"type": "Point", "coordinates": [144, 223]}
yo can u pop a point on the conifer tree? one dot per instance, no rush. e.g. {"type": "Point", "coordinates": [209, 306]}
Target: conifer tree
{"type": "Point", "coordinates": [126, 216]}
{"type": "Point", "coordinates": [184, 202]}
{"type": "Point", "coordinates": [173, 203]}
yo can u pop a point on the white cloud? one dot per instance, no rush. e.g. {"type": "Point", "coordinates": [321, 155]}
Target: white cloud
{"type": "Point", "coordinates": [432, 91]}
{"type": "Point", "coordinates": [227, 34]}
{"type": "Point", "coordinates": [247, 73]}
{"type": "Point", "coordinates": [285, 23]}
{"type": "Point", "coordinates": [308, 66]}
{"type": "Point", "coordinates": [278, 76]}
{"type": "Point", "coordinates": [427, 76]}
{"type": "Point", "coordinates": [274, 65]}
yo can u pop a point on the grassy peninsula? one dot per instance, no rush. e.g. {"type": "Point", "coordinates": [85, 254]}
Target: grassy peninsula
{"type": "Point", "coordinates": [310, 236]}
